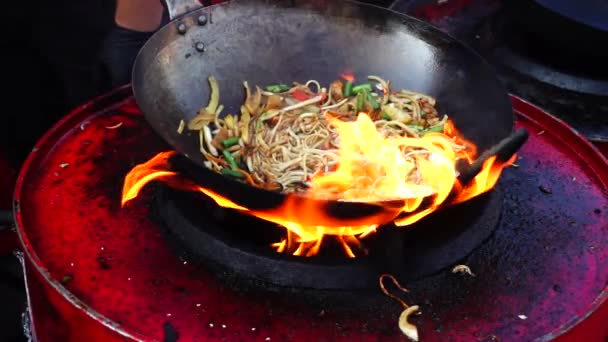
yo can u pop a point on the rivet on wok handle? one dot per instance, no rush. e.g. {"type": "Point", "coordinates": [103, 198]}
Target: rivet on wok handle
{"type": "Point", "coordinates": [504, 150]}
{"type": "Point", "coordinates": [202, 19]}
{"type": "Point", "coordinates": [181, 28]}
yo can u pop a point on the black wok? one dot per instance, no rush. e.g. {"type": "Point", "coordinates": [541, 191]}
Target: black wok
{"type": "Point", "coordinates": [268, 42]}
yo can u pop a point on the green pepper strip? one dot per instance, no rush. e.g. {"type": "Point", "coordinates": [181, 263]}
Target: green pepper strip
{"type": "Point", "coordinates": [360, 100]}
{"type": "Point", "coordinates": [416, 127]}
{"type": "Point", "coordinates": [436, 128]}
{"type": "Point", "coordinates": [278, 88]}
{"type": "Point", "coordinates": [385, 116]}
{"type": "Point", "coordinates": [230, 142]}
{"type": "Point", "coordinates": [362, 87]}
{"type": "Point", "coordinates": [372, 100]}
{"type": "Point", "coordinates": [230, 159]}
{"type": "Point", "coordinates": [232, 173]}
{"type": "Point", "coordinates": [348, 89]}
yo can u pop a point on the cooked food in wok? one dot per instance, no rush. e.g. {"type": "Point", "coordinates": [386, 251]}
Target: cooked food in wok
{"type": "Point", "coordinates": [284, 134]}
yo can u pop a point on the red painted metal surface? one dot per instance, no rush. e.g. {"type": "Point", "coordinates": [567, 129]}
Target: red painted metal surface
{"type": "Point", "coordinates": [97, 272]}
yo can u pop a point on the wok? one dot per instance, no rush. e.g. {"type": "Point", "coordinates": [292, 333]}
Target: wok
{"type": "Point", "coordinates": [268, 42]}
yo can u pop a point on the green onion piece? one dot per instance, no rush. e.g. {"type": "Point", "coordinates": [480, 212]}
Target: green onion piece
{"type": "Point", "coordinates": [422, 113]}
{"type": "Point", "coordinates": [230, 159]}
{"type": "Point", "coordinates": [360, 101]}
{"type": "Point", "coordinates": [361, 87]}
{"type": "Point", "coordinates": [348, 89]}
{"type": "Point", "coordinates": [232, 173]}
{"type": "Point", "coordinates": [436, 128]}
{"type": "Point", "coordinates": [385, 116]}
{"type": "Point", "coordinates": [278, 88]}
{"type": "Point", "coordinates": [416, 127]}
{"type": "Point", "coordinates": [230, 142]}
{"type": "Point", "coordinates": [372, 100]}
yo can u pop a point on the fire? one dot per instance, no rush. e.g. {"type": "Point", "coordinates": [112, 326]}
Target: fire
{"type": "Point", "coordinates": [348, 76]}
{"type": "Point", "coordinates": [372, 169]}
{"type": "Point", "coordinates": [140, 175]}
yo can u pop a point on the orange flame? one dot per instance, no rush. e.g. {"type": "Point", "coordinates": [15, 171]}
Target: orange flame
{"type": "Point", "coordinates": [142, 174]}
{"type": "Point", "coordinates": [372, 168]}
{"type": "Point", "coordinates": [348, 76]}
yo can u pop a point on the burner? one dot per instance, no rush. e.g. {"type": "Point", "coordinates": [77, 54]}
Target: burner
{"type": "Point", "coordinates": [100, 272]}
{"type": "Point", "coordinates": [239, 245]}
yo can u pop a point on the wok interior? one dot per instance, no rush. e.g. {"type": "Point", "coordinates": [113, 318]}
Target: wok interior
{"type": "Point", "coordinates": [269, 42]}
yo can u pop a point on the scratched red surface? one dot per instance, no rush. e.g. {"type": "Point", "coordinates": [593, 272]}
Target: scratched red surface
{"type": "Point", "coordinates": [102, 273]}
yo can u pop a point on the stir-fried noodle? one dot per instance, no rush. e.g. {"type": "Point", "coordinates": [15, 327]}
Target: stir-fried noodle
{"type": "Point", "coordinates": [283, 136]}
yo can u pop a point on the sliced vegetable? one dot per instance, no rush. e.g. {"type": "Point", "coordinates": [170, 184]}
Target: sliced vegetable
{"type": "Point", "coordinates": [232, 173]}
{"type": "Point", "coordinates": [206, 135]}
{"type": "Point", "coordinates": [182, 125]}
{"type": "Point", "coordinates": [230, 159]}
{"type": "Point", "coordinates": [336, 89]}
{"type": "Point", "coordinates": [323, 95]}
{"type": "Point", "coordinates": [362, 87]}
{"type": "Point", "coordinates": [214, 100]}
{"type": "Point", "coordinates": [230, 142]}
{"type": "Point", "coordinates": [244, 122]}
{"type": "Point", "coordinates": [372, 100]}
{"type": "Point", "coordinates": [273, 102]}
{"type": "Point", "coordinates": [436, 128]}
{"type": "Point", "coordinates": [348, 89]}
{"type": "Point", "coordinates": [360, 102]}
{"type": "Point", "coordinates": [312, 109]}
{"type": "Point", "coordinates": [416, 127]}
{"type": "Point", "coordinates": [201, 119]}
{"type": "Point", "coordinates": [395, 113]}
{"type": "Point", "coordinates": [229, 120]}
{"type": "Point", "coordinates": [300, 95]}
{"type": "Point", "coordinates": [269, 114]}
{"type": "Point", "coordinates": [221, 135]}
{"type": "Point", "coordinates": [278, 88]}
{"type": "Point", "coordinates": [253, 101]}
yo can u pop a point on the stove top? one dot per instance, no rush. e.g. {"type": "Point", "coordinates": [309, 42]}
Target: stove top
{"type": "Point", "coordinates": [99, 270]}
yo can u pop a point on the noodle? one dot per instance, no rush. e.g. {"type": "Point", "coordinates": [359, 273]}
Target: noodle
{"type": "Point", "coordinates": [283, 138]}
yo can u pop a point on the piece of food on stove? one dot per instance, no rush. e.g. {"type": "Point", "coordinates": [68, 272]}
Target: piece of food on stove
{"type": "Point", "coordinates": [283, 135]}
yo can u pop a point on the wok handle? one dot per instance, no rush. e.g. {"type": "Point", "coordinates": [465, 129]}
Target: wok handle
{"type": "Point", "coordinates": [503, 151]}
{"type": "Point", "coordinates": [177, 8]}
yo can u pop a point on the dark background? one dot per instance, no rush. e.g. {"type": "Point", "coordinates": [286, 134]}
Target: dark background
{"type": "Point", "coordinates": [49, 52]}
{"type": "Point", "coordinates": [48, 49]}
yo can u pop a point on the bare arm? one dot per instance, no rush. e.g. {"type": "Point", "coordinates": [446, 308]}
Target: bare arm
{"type": "Point", "coordinates": [139, 15]}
